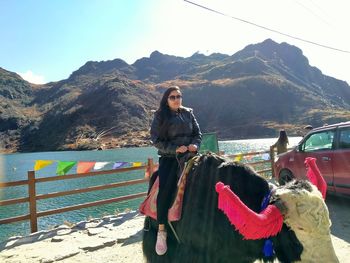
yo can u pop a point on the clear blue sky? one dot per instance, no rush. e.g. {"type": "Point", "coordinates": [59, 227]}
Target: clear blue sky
{"type": "Point", "coordinates": [46, 40]}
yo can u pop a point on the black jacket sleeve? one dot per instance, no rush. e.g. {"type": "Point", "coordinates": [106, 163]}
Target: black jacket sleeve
{"type": "Point", "coordinates": [162, 145]}
{"type": "Point", "coordinates": [196, 133]}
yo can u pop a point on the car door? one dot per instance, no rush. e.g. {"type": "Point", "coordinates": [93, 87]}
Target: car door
{"type": "Point", "coordinates": [319, 145]}
{"type": "Point", "coordinates": [341, 162]}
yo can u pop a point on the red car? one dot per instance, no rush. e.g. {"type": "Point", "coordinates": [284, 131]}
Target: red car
{"type": "Point", "coordinates": [330, 145]}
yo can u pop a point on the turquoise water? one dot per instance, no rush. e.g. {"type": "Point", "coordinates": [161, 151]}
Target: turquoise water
{"type": "Point", "coordinates": [14, 167]}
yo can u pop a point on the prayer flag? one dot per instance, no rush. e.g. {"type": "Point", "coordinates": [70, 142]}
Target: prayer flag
{"type": "Point", "coordinates": [238, 157]}
{"type": "Point", "coordinates": [265, 156]}
{"type": "Point", "coordinates": [85, 167]}
{"type": "Point", "coordinates": [117, 165]}
{"type": "Point", "coordinates": [40, 164]}
{"type": "Point", "coordinates": [100, 165]}
{"type": "Point", "coordinates": [64, 167]}
{"type": "Point", "coordinates": [248, 157]}
{"type": "Point", "coordinates": [136, 164]}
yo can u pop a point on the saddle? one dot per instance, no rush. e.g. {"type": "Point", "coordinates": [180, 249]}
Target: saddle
{"type": "Point", "coordinates": [149, 206]}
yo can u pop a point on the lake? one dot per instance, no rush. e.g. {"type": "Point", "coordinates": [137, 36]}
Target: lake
{"type": "Point", "coordinates": [14, 167]}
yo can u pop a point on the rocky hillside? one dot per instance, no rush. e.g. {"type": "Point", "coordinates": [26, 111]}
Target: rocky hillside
{"type": "Point", "coordinates": [86, 112]}
{"type": "Point", "coordinates": [16, 113]}
{"type": "Point", "coordinates": [253, 93]}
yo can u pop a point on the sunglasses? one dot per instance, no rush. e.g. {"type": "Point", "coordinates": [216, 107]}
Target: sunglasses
{"type": "Point", "coordinates": [173, 97]}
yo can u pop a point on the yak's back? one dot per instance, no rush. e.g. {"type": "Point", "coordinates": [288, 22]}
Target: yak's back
{"type": "Point", "coordinates": [205, 232]}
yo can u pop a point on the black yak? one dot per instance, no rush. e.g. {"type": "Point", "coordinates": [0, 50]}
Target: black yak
{"type": "Point", "coordinates": [206, 234]}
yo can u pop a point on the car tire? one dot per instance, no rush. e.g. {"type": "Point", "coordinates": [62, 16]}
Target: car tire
{"type": "Point", "coordinates": [285, 177]}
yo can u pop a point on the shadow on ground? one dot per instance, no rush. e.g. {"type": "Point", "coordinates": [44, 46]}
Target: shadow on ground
{"type": "Point", "coordinates": [64, 230]}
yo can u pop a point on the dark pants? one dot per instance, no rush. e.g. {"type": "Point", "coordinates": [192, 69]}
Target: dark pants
{"type": "Point", "coordinates": [167, 172]}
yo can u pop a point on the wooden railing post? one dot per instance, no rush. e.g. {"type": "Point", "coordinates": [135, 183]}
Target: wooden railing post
{"type": "Point", "coordinates": [149, 169]}
{"type": "Point", "coordinates": [32, 202]}
{"type": "Point", "coordinates": [272, 158]}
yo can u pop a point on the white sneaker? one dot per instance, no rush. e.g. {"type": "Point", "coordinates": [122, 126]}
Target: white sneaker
{"type": "Point", "coordinates": [161, 246]}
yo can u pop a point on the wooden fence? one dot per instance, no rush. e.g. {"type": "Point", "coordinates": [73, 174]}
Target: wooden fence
{"type": "Point", "coordinates": [33, 196]}
{"type": "Point", "coordinates": [264, 167]}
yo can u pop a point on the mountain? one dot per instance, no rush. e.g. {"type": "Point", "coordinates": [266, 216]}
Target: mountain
{"type": "Point", "coordinates": [83, 110]}
{"type": "Point", "coordinates": [16, 112]}
{"type": "Point", "coordinates": [253, 93]}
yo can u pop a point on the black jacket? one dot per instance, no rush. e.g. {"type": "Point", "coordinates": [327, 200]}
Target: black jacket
{"type": "Point", "coordinates": [183, 129]}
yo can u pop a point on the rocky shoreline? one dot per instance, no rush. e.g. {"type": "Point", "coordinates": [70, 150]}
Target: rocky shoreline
{"type": "Point", "coordinates": [131, 139]}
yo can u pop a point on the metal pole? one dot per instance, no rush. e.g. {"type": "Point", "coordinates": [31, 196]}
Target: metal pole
{"type": "Point", "coordinates": [272, 159]}
{"type": "Point", "coordinates": [174, 232]}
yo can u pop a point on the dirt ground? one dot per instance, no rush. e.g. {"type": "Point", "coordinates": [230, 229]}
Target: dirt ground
{"type": "Point", "coordinates": [119, 239]}
{"type": "Point", "coordinates": [339, 211]}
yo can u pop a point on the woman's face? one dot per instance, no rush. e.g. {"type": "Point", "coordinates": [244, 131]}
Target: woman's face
{"type": "Point", "coordinates": [175, 100]}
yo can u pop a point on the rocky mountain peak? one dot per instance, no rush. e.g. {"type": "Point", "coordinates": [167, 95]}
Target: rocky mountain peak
{"type": "Point", "coordinates": [98, 68]}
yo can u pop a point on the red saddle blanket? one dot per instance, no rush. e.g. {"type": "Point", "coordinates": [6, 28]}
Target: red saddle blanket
{"type": "Point", "coordinates": [149, 206]}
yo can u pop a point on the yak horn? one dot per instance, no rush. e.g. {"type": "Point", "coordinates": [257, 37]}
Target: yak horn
{"type": "Point", "coordinates": [248, 223]}
{"type": "Point", "coordinates": [315, 177]}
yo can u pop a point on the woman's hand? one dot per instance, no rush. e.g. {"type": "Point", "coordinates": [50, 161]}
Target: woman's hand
{"type": "Point", "coordinates": [192, 148]}
{"type": "Point", "coordinates": [181, 149]}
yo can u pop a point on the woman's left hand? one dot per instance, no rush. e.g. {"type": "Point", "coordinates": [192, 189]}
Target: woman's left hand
{"type": "Point", "coordinates": [192, 148]}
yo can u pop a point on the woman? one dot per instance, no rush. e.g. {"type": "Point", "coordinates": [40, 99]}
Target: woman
{"type": "Point", "coordinates": [174, 131]}
{"type": "Point", "coordinates": [281, 143]}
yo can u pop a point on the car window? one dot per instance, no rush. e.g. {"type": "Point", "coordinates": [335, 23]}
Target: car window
{"type": "Point", "coordinates": [319, 141]}
{"type": "Point", "coordinates": [344, 139]}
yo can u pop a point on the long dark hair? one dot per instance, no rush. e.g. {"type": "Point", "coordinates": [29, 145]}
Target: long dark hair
{"type": "Point", "coordinates": [164, 111]}
{"type": "Point", "coordinates": [283, 138]}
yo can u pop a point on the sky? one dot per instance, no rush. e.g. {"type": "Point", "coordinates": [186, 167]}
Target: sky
{"type": "Point", "coordinates": [46, 40]}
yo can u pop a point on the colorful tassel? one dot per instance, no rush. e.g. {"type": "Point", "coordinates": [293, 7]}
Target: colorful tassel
{"type": "Point", "coordinates": [250, 224]}
{"type": "Point", "coordinates": [315, 177]}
